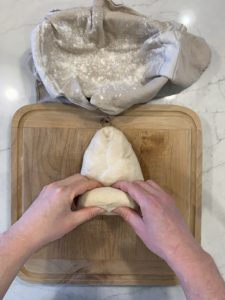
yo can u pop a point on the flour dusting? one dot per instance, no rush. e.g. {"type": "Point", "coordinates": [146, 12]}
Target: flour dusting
{"type": "Point", "coordinates": [98, 68]}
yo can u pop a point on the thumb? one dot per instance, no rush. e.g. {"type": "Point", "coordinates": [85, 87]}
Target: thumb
{"type": "Point", "coordinates": [131, 217]}
{"type": "Point", "coordinates": [82, 215]}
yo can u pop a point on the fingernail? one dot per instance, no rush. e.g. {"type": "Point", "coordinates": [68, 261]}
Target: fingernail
{"type": "Point", "coordinates": [101, 211]}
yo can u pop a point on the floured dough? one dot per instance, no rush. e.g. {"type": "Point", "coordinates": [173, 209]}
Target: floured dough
{"type": "Point", "coordinates": [107, 198]}
{"type": "Point", "coordinates": [109, 158]}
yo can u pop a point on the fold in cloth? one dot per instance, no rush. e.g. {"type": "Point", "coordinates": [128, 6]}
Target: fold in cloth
{"type": "Point", "coordinates": [111, 57]}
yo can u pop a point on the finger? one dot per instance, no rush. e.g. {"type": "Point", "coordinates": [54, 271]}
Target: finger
{"type": "Point", "coordinates": [154, 184]}
{"type": "Point", "coordinates": [140, 195]}
{"type": "Point", "coordinates": [82, 215]}
{"type": "Point", "coordinates": [131, 217]}
{"type": "Point", "coordinates": [71, 179]}
{"type": "Point", "coordinates": [82, 186]}
{"type": "Point", "coordinates": [149, 188]}
{"type": "Point", "coordinates": [158, 190]}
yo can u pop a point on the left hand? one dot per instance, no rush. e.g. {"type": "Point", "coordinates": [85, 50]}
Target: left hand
{"type": "Point", "coordinates": [50, 216]}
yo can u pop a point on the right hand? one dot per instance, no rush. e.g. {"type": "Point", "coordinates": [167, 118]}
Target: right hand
{"type": "Point", "coordinates": [161, 226]}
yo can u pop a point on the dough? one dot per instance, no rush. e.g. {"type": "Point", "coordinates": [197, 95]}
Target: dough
{"type": "Point", "coordinates": [109, 158]}
{"type": "Point", "coordinates": [107, 198]}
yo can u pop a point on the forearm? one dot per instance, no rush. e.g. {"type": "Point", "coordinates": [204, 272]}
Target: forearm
{"type": "Point", "coordinates": [198, 275]}
{"type": "Point", "coordinates": [14, 252]}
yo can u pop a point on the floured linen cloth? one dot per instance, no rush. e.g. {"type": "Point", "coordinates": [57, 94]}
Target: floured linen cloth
{"type": "Point", "coordinates": [111, 57]}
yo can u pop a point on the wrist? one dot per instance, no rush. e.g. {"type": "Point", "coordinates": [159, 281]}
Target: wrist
{"type": "Point", "coordinates": [23, 237]}
{"type": "Point", "coordinates": [189, 260]}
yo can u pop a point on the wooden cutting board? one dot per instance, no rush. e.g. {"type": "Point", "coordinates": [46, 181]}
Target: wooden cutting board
{"type": "Point", "coordinates": [48, 143]}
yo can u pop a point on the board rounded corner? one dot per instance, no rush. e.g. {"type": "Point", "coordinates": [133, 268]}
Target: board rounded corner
{"type": "Point", "coordinates": [193, 115]}
{"type": "Point", "coordinates": [19, 114]}
{"type": "Point", "coordinates": [24, 110]}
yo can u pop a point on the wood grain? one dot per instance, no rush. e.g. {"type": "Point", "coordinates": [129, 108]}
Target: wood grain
{"type": "Point", "coordinates": [48, 142]}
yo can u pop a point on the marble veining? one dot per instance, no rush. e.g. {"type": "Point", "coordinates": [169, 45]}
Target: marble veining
{"type": "Point", "coordinates": [4, 149]}
{"type": "Point", "coordinates": [206, 97]}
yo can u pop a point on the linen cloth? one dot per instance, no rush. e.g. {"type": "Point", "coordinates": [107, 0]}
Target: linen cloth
{"type": "Point", "coordinates": [111, 57]}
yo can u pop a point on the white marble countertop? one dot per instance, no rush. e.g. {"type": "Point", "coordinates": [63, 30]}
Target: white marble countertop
{"type": "Point", "coordinates": [206, 97]}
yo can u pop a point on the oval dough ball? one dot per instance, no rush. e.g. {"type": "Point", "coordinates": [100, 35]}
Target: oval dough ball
{"type": "Point", "coordinates": [106, 197]}
{"type": "Point", "coordinates": [110, 158]}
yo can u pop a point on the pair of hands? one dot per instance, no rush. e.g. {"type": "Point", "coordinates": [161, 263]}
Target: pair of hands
{"type": "Point", "coordinates": [50, 217]}
{"type": "Point", "coordinates": [160, 227]}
